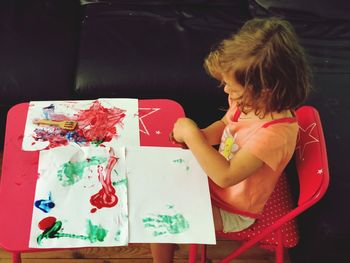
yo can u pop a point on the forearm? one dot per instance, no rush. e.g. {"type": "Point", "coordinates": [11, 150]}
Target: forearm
{"type": "Point", "coordinates": [213, 132]}
{"type": "Point", "coordinates": [212, 162]}
{"type": "Point", "coordinates": [221, 171]}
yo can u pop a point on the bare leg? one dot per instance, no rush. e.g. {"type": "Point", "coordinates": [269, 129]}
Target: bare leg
{"type": "Point", "coordinates": [217, 219]}
{"type": "Point", "coordinates": [163, 253]}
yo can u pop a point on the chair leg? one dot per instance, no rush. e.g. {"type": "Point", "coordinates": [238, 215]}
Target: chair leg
{"type": "Point", "coordinates": [279, 248]}
{"type": "Point", "coordinates": [203, 254]}
{"type": "Point", "coordinates": [192, 253]}
{"type": "Point", "coordinates": [192, 258]}
{"type": "Point", "coordinates": [16, 257]}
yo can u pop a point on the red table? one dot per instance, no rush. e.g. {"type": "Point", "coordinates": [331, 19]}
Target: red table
{"type": "Point", "coordinates": [19, 168]}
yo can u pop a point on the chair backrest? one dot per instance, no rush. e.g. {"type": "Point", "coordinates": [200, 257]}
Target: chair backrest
{"type": "Point", "coordinates": [311, 157]}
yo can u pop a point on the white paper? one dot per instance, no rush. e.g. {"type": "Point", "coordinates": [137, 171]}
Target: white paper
{"type": "Point", "coordinates": [168, 194]}
{"type": "Point", "coordinates": [68, 178]}
{"type": "Point", "coordinates": [126, 128]}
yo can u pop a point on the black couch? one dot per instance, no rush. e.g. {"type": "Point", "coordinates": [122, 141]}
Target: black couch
{"type": "Point", "coordinates": [64, 49]}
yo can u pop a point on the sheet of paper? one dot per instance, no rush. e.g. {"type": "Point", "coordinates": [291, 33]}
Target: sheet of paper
{"type": "Point", "coordinates": [80, 198]}
{"type": "Point", "coordinates": [169, 200]}
{"type": "Point", "coordinates": [102, 121]}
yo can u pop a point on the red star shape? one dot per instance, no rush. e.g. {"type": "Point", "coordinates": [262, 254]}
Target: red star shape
{"type": "Point", "coordinates": [305, 138]}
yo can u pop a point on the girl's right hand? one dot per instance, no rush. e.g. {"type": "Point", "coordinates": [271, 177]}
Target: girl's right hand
{"type": "Point", "coordinates": [184, 129]}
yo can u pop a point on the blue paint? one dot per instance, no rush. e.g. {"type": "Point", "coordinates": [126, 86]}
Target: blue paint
{"type": "Point", "coordinates": [45, 205]}
{"type": "Point", "coordinates": [48, 110]}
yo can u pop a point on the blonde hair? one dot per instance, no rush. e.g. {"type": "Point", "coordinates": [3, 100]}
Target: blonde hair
{"type": "Point", "coordinates": [266, 58]}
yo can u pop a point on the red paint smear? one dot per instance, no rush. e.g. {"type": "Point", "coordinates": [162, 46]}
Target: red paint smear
{"type": "Point", "coordinates": [56, 137]}
{"type": "Point", "coordinates": [47, 222]}
{"type": "Point", "coordinates": [106, 197]}
{"type": "Point", "coordinates": [98, 123]}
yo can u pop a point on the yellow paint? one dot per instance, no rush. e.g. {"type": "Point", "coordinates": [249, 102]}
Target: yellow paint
{"type": "Point", "coordinates": [228, 146]}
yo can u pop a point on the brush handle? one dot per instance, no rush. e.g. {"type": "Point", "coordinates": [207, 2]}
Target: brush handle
{"type": "Point", "coordinates": [47, 122]}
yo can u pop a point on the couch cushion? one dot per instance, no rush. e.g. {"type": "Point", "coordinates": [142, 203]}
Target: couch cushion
{"type": "Point", "coordinates": [154, 52]}
{"type": "Point", "coordinates": [38, 49]}
{"type": "Point", "coordinates": [301, 9]}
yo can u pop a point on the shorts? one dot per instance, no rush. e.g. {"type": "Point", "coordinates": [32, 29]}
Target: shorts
{"type": "Point", "coordinates": [235, 222]}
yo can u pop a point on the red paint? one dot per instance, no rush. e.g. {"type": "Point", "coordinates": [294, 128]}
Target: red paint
{"type": "Point", "coordinates": [106, 197]}
{"type": "Point", "coordinates": [55, 136]}
{"type": "Point", "coordinates": [98, 123]}
{"type": "Point", "coordinates": [47, 222]}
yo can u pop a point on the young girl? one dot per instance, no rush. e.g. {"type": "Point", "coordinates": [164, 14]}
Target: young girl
{"type": "Point", "coordinates": [264, 72]}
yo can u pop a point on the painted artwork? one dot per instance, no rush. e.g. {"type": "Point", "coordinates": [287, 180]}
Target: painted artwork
{"type": "Point", "coordinates": [80, 198]}
{"type": "Point", "coordinates": [90, 122]}
{"type": "Point", "coordinates": [169, 200]}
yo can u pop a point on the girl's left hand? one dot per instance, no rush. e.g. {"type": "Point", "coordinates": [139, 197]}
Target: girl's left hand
{"type": "Point", "coordinates": [184, 128]}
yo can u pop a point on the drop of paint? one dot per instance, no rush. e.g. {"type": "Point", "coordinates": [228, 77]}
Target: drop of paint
{"type": "Point", "coordinates": [93, 210]}
{"type": "Point", "coordinates": [47, 222]}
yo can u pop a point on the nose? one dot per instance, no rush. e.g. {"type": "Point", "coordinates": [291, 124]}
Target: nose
{"type": "Point", "coordinates": [227, 89]}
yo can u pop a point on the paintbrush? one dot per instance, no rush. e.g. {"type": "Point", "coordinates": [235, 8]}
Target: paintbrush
{"type": "Point", "coordinates": [66, 125]}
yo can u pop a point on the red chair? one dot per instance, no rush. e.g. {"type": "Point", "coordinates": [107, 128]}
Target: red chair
{"type": "Point", "coordinates": [276, 229]}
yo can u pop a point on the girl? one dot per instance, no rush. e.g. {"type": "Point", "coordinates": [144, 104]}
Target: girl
{"type": "Point", "coordinates": [264, 72]}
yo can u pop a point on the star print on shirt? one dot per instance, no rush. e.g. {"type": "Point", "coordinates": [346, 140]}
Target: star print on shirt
{"type": "Point", "coordinates": [143, 113]}
{"type": "Point", "coordinates": [305, 138]}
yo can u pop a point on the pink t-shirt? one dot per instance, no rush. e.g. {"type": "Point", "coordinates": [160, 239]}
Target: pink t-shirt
{"type": "Point", "coordinates": [273, 142]}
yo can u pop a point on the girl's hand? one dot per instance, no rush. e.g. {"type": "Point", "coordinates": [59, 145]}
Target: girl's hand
{"type": "Point", "coordinates": [184, 129]}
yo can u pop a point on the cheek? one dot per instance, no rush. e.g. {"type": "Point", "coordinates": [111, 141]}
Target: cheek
{"type": "Point", "coordinates": [235, 95]}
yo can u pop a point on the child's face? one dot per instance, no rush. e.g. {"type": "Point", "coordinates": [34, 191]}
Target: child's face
{"type": "Point", "coordinates": [232, 87]}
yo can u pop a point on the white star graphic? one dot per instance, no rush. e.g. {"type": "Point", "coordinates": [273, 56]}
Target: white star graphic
{"type": "Point", "coordinates": [144, 112]}
{"type": "Point", "coordinates": [305, 138]}
{"type": "Point", "coordinates": [320, 171]}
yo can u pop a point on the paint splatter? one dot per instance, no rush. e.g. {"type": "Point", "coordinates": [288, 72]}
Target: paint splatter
{"type": "Point", "coordinates": [98, 124]}
{"type": "Point", "coordinates": [121, 182]}
{"type": "Point", "coordinates": [182, 161]}
{"type": "Point", "coordinates": [45, 205]}
{"type": "Point", "coordinates": [163, 224]}
{"type": "Point", "coordinates": [117, 235]}
{"type": "Point", "coordinates": [72, 172]}
{"type": "Point", "coordinates": [53, 229]}
{"type": "Point", "coordinates": [95, 126]}
{"type": "Point", "coordinates": [106, 197]}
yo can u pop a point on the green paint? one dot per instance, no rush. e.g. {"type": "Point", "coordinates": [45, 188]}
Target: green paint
{"type": "Point", "coordinates": [117, 235]}
{"type": "Point", "coordinates": [72, 172]}
{"type": "Point", "coordinates": [97, 143]}
{"type": "Point", "coordinates": [94, 233]}
{"type": "Point", "coordinates": [180, 160]}
{"type": "Point", "coordinates": [121, 182]}
{"type": "Point", "coordinates": [159, 233]}
{"type": "Point", "coordinates": [166, 224]}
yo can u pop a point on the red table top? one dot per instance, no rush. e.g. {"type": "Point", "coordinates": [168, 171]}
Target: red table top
{"type": "Point", "coordinates": [19, 168]}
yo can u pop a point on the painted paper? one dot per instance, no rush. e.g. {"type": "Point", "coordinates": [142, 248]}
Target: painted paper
{"type": "Point", "coordinates": [102, 121]}
{"type": "Point", "coordinates": [80, 198]}
{"type": "Point", "coordinates": [169, 200]}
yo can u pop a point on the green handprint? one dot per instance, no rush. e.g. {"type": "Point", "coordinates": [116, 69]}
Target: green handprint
{"type": "Point", "coordinates": [72, 172]}
{"type": "Point", "coordinates": [166, 224]}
